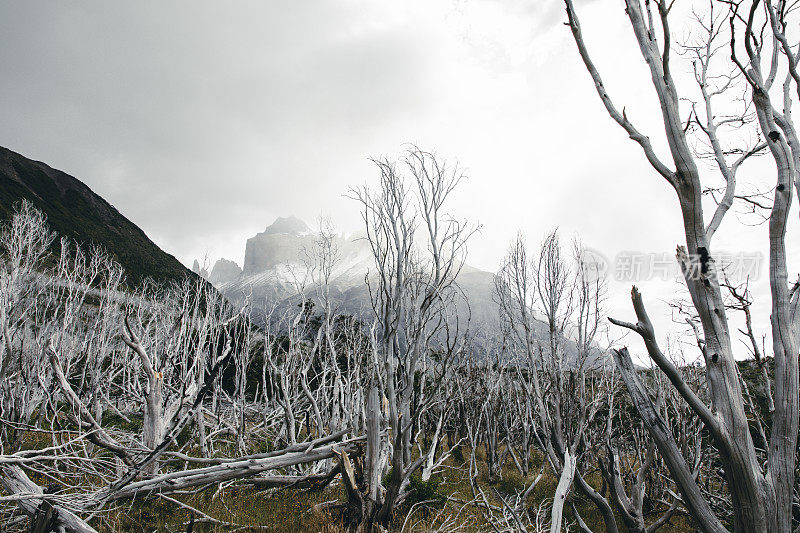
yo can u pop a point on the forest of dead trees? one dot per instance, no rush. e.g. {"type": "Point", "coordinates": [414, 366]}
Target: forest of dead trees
{"type": "Point", "coordinates": [115, 396]}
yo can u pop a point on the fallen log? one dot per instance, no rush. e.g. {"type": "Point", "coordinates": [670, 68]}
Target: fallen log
{"type": "Point", "coordinates": [16, 482]}
{"type": "Point", "coordinates": [312, 481]}
{"type": "Point", "coordinates": [229, 470]}
{"type": "Point", "coordinates": [29, 496]}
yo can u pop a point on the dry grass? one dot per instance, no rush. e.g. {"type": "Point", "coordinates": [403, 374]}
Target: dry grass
{"type": "Point", "coordinates": [241, 507]}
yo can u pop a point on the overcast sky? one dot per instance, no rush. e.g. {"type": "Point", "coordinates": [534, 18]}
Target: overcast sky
{"type": "Point", "coordinates": [203, 121]}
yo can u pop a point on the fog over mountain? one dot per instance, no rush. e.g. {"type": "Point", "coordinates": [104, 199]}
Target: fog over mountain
{"type": "Point", "coordinates": [564, 291]}
{"type": "Point", "coordinates": [279, 265]}
{"type": "Point", "coordinates": [280, 261]}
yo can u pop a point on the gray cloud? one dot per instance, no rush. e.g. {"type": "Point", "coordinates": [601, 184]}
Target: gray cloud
{"type": "Point", "coordinates": [193, 113]}
{"type": "Point", "coordinates": [202, 121]}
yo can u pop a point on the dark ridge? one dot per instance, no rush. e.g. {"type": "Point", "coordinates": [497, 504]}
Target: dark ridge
{"type": "Point", "coordinates": [74, 211]}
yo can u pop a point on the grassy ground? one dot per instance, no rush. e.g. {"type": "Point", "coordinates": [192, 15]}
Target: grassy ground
{"type": "Point", "coordinates": [292, 510]}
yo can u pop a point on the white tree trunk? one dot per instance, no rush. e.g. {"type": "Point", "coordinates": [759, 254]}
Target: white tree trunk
{"type": "Point", "coordinates": [560, 498]}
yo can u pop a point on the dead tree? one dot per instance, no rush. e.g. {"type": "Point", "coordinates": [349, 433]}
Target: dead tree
{"type": "Point", "coordinates": [418, 251]}
{"type": "Point", "coordinates": [563, 389]}
{"type": "Point", "coordinates": [24, 246]}
{"type": "Point", "coordinates": [631, 466]}
{"type": "Point", "coordinates": [762, 498]}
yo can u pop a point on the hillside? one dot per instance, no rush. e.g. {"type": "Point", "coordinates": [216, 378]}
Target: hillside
{"type": "Point", "coordinates": [75, 211]}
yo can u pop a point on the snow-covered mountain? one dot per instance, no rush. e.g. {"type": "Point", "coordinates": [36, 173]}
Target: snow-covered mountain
{"type": "Point", "coordinates": [280, 260]}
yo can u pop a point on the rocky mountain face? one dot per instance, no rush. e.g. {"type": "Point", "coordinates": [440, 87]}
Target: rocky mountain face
{"type": "Point", "coordinates": [280, 260]}
{"type": "Point", "coordinates": [224, 271]}
{"type": "Point", "coordinates": [283, 242]}
{"type": "Point", "coordinates": [73, 210]}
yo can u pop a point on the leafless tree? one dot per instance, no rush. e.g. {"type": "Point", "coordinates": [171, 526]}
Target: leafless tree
{"type": "Point", "coordinates": [80, 350]}
{"type": "Point", "coordinates": [762, 494]}
{"type": "Point", "coordinates": [562, 390]}
{"type": "Point", "coordinates": [418, 250]}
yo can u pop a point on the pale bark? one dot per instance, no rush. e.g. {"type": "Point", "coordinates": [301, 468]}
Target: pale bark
{"type": "Point", "coordinates": [670, 452]}
{"type": "Point", "coordinates": [562, 489]}
{"type": "Point", "coordinates": [16, 482]}
{"type": "Point", "coordinates": [760, 502]}
{"type": "Point", "coordinates": [413, 293]}
{"type": "Point", "coordinates": [96, 433]}
{"type": "Point", "coordinates": [235, 468]}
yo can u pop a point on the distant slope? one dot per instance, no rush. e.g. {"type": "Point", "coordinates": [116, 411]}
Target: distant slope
{"type": "Point", "coordinates": [75, 211]}
{"type": "Point", "coordinates": [279, 256]}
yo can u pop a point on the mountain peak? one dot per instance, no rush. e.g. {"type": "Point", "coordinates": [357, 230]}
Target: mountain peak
{"type": "Point", "coordinates": [224, 271]}
{"type": "Point", "coordinates": [291, 225]}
